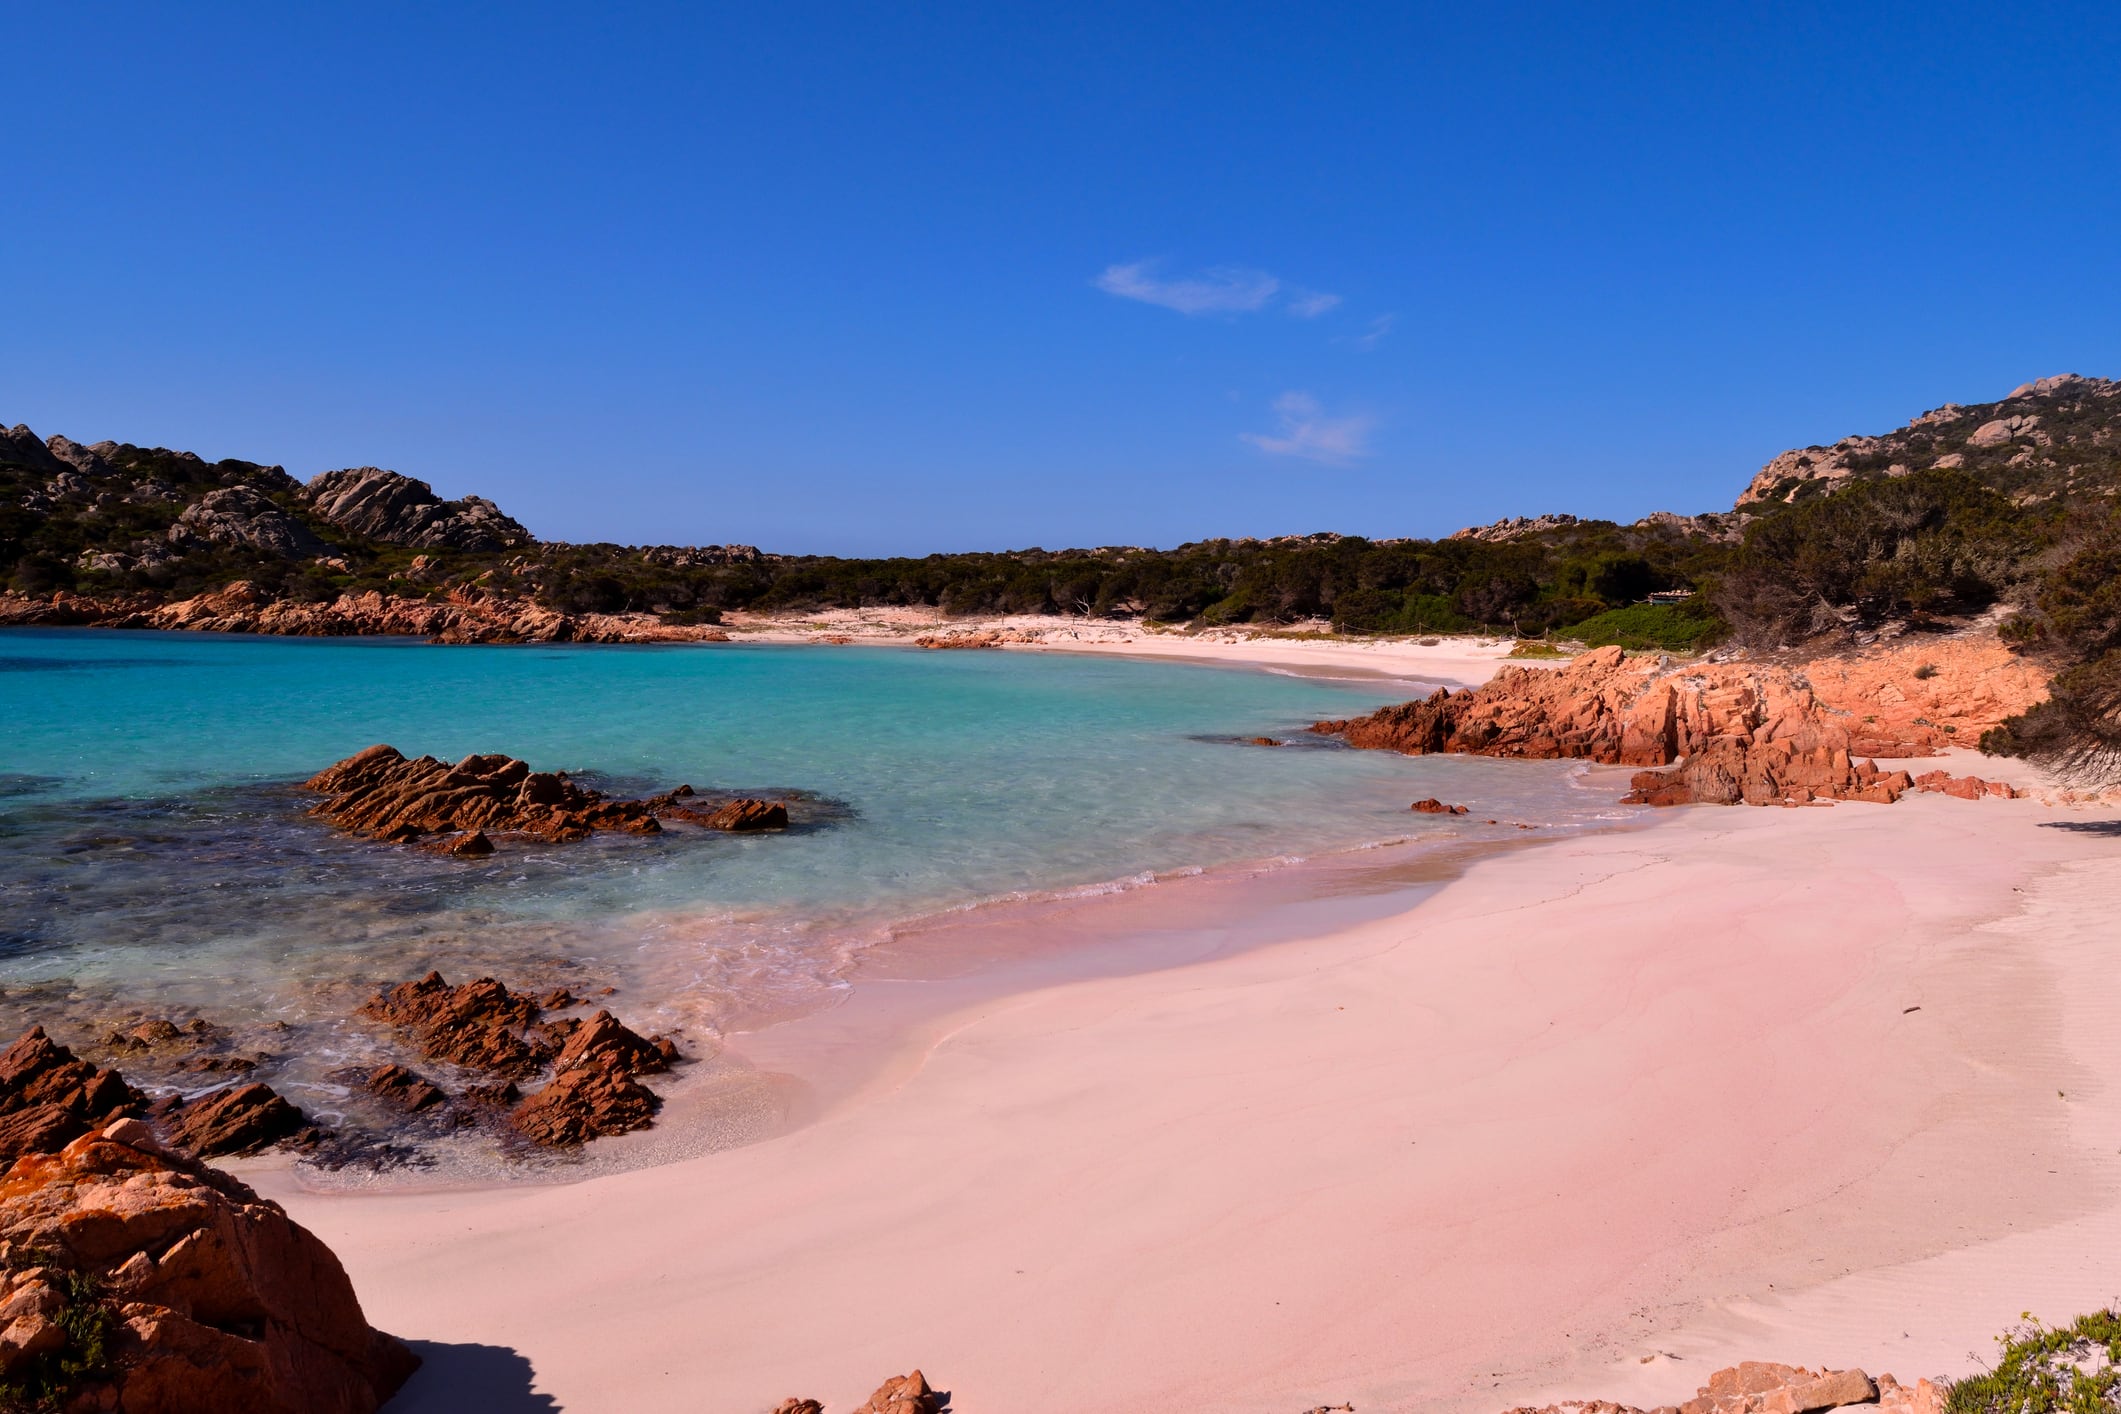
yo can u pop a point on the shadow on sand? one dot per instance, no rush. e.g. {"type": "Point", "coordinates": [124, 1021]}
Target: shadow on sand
{"type": "Point", "coordinates": [2109, 828]}
{"type": "Point", "coordinates": [454, 1379]}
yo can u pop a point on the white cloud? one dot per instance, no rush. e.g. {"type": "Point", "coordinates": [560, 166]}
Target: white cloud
{"type": "Point", "coordinates": [1309, 304]}
{"type": "Point", "coordinates": [1227, 289]}
{"type": "Point", "coordinates": [1307, 432]}
{"type": "Point", "coordinates": [1374, 335]}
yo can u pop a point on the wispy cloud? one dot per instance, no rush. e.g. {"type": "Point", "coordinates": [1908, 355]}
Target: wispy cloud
{"type": "Point", "coordinates": [1308, 433]}
{"type": "Point", "coordinates": [1309, 304]}
{"type": "Point", "coordinates": [1227, 289]}
{"type": "Point", "coordinates": [1371, 337]}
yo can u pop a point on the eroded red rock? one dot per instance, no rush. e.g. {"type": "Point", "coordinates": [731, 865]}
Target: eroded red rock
{"type": "Point", "coordinates": [48, 1097]}
{"type": "Point", "coordinates": [740, 816]}
{"type": "Point", "coordinates": [484, 1026]}
{"type": "Point", "coordinates": [241, 1119]}
{"type": "Point", "coordinates": [1764, 1387]}
{"type": "Point", "coordinates": [1744, 733]}
{"type": "Point", "coordinates": [904, 1394]}
{"type": "Point", "coordinates": [588, 1102]}
{"type": "Point", "coordinates": [215, 1301]}
{"type": "Point", "coordinates": [381, 794]}
{"type": "Point", "coordinates": [404, 1089]}
{"type": "Point", "coordinates": [1433, 806]}
{"type": "Point", "coordinates": [480, 1025]}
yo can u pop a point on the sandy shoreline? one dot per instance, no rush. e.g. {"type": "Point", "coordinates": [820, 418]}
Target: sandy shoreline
{"type": "Point", "coordinates": [1652, 1094]}
{"type": "Point", "coordinates": [1456, 661]}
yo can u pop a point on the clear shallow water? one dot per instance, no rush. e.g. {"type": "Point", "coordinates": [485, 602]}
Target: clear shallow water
{"type": "Point", "coordinates": [154, 853]}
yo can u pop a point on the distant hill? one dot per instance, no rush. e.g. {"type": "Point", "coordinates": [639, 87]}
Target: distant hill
{"type": "Point", "coordinates": [2052, 440]}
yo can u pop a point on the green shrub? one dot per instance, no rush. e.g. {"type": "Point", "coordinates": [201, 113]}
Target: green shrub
{"type": "Point", "coordinates": [2072, 1369]}
{"type": "Point", "coordinates": [1673, 628]}
{"type": "Point", "coordinates": [49, 1381]}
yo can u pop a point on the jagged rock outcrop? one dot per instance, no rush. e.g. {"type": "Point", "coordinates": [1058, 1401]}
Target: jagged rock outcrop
{"type": "Point", "coordinates": [48, 1097]}
{"type": "Point", "coordinates": [398, 510]}
{"type": "Point", "coordinates": [1763, 1387]}
{"type": "Point", "coordinates": [238, 1119]}
{"type": "Point", "coordinates": [1515, 527]}
{"type": "Point", "coordinates": [21, 447]}
{"type": "Point", "coordinates": [91, 461]}
{"type": "Point", "coordinates": [238, 515]}
{"type": "Point", "coordinates": [905, 1394]}
{"type": "Point", "coordinates": [208, 1299]}
{"type": "Point", "coordinates": [479, 1025]}
{"type": "Point", "coordinates": [379, 793]}
{"type": "Point", "coordinates": [1749, 733]}
{"type": "Point", "coordinates": [483, 1026]}
{"type": "Point", "coordinates": [1433, 806]}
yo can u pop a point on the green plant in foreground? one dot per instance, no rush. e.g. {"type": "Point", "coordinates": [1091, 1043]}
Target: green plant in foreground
{"type": "Point", "coordinates": [2072, 1369]}
{"type": "Point", "coordinates": [47, 1382]}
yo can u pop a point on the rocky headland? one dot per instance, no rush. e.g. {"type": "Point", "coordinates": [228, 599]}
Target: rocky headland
{"type": "Point", "coordinates": [1739, 732]}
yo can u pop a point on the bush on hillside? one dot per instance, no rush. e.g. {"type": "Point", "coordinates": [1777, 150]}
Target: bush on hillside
{"type": "Point", "coordinates": [1935, 542]}
{"type": "Point", "coordinates": [1671, 628]}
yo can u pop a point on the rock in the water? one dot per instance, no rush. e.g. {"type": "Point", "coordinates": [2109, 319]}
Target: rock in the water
{"type": "Point", "coordinates": [404, 1089]}
{"type": "Point", "coordinates": [586, 1103]}
{"type": "Point", "coordinates": [241, 1119]}
{"type": "Point", "coordinates": [1433, 806]}
{"type": "Point", "coordinates": [208, 1299]}
{"type": "Point", "coordinates": [738, 816]}
{"type": "Point", "coordinates": [593, 1091]}
{"type": "Point", "coordinates": [484, 1026]}
{"type": "Point", "coordinates": [379, 793]}
{"type": "Point", "coordinates": [398, 510]}
{"type": "Point", "coordinates": [480, 1025]}
{"type": "Point", "coordinates": [49, 1098]}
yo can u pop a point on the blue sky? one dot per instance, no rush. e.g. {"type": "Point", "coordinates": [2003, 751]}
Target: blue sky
{"type": "Point", "coordinates": [899, 279]}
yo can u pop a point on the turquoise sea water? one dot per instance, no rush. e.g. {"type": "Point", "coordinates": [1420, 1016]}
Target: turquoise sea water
{"type": "Point", "coordinates": [154, 853]}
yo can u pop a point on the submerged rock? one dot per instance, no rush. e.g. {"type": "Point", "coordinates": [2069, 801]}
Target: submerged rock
{"type": "Point", "coordinates": [144, 1280]}
{"type": "Point", "coordinates": [738, 816]}
{"type": "Point", "coordinates": [1433, 806]}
